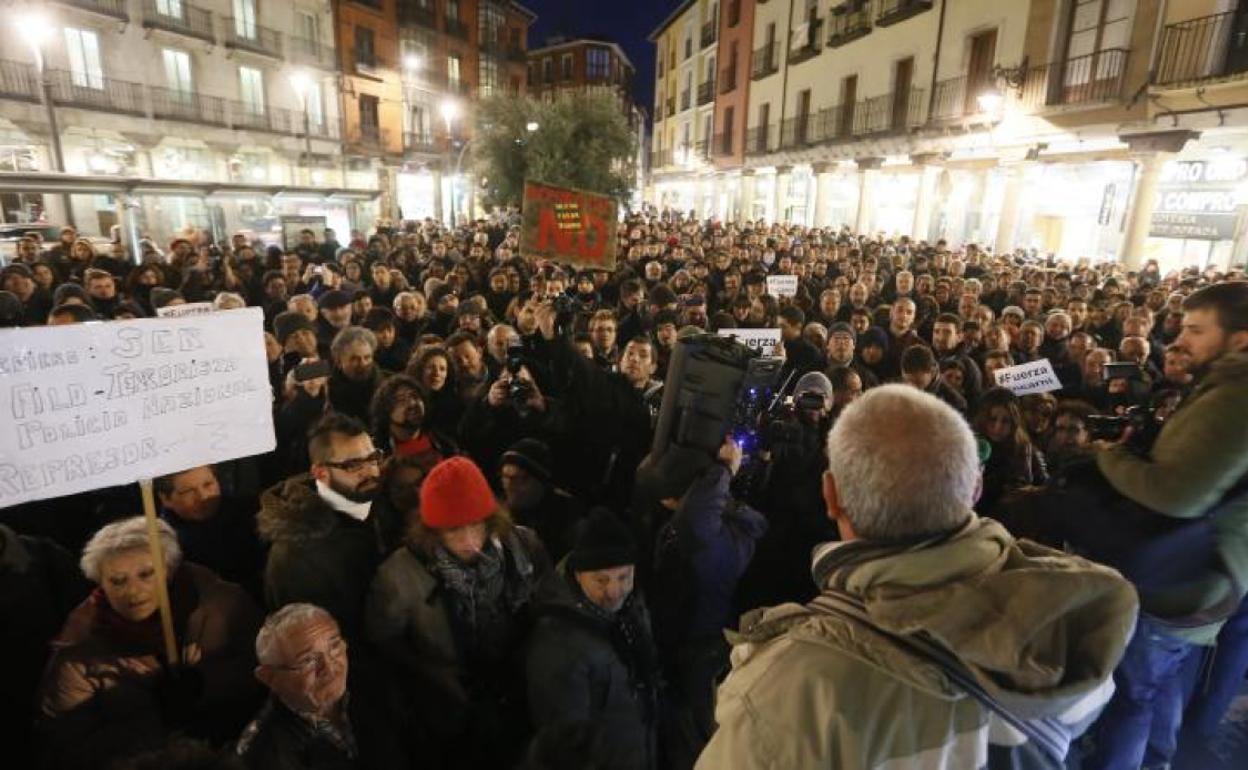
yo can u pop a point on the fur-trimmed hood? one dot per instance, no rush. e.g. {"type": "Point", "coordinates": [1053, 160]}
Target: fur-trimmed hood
{"type": "Point", "coordinates": [293, 510]}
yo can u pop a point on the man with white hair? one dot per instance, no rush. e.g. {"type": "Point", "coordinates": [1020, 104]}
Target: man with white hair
{"type": "Point", "coordinates": [937, 641]}
{"type": "Point", "coordinates": [310, 720]}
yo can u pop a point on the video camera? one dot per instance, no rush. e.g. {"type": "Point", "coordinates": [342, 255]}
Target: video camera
{"type": "Point", "coordinates": [1142, 420]}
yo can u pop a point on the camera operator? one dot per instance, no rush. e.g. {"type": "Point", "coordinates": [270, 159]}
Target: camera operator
{"type": "Point", "coordinates": [513, 408]}
{"type": "Point", "coordinates": [1197, 462]}
{"type": "Point", "coordinates": [789, 494]}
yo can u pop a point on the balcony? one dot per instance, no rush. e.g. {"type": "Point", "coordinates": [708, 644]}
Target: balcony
{"type": "Point", "coordinates": [368, 135]}
{"type": "Point", "coordinates": [684, 100]}
{"type": "Point", "coordinates": [277, 120]}
{"type": "Point", "coordinates": [188, 106]}
{"type": "Point", "coordinates": [96, 93]}
{"type": "Point", "coordinates": [661, 158]}
{"type": "Point", "coordinates": [811, 46]}
{"type": "Point", "coordinates": [115, 9]}
{"type": "Point", "coordinates": [702, 149]}
{"type": "Point", "coordinates": [311, 53]}
{"type": "Point", "coordinates": [795, 132]}
{"type": "Point", "coordinates": [456, 28]}
{"type": "Point", "coordinates": [846, 25]}
{"type": "Point", "coordinates": [1092, 79]}
{"type": "Point", "coordinates": [1204, 49]}
{"type": "Point", "coordinates": [18, 80]}
{"type": "Point", "coordinates": [671, 107]}
{"type": "Point", "coordinates": [722, 145]}
{"type": "Point", "coordinates": [896, 11]}
{"type": "Point", "coordinates": [951, 100]}
{"type": "Point", "coordinates": [419, 141]}
{"type": "Point", "coordinates": [180, 18]}
{"type": "Point", "coordinates": [365, 62]}
{"type": "Point", "coordinates": [710, 31]}
{"type": "Point", "coordinates": [757, 140]}
{"type": "Point", "coordinates": [411, 13]}
{"type": "Point", "coordinates": [728, 79]}
{"type": "Point", "coordinates": [764, 62]}
{"type": "Point", "coordinates": [252, 38]}
{"type": "Point", "coordinates": [706, 92]}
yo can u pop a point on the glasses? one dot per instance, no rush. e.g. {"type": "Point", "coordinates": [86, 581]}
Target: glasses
{"type": "Point", "coordinates": [314, 662]}
{"type": "Point", "coordinates": [356, 464]}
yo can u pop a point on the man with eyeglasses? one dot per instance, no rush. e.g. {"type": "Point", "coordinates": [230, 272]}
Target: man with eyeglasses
{"type": "Point", "coordinates": [324, 541]}
{"type": "Point", "coordinates": [322, 709]}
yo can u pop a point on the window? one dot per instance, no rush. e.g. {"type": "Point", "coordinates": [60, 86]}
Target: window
{"type": "Point", "coordinates": [365, 52]}
{"type": "Point", "coordinates": [565, 66]}
{"type": "Point", "coordinates": [491, 24]}
{"type": "Point", "coordinates": [452, 72]}
{"type": "Point", "coordinates": [708, 127]}
{"type": "Point", "coordinates": [548, 70]}
{"type": "Point", "coordinates": [307, 26]}
{"type": "Point", "coordinates": [730, 117]}
{"type": "Point", "coordinates": [418, 121]}
{"type": "Point", "coordinates": [251, 89]}
{"type": "Point", "coordinates": [452, 10]}
{"type": "Point", "coordinates": [487, 75]}
{"type": "Point", "coordinates": [597, 64]}
{"type": "Point", "coordinates": [315, 106]}
{"type": "Point", "coordinates": [83, 47]}
{"type": "Point", "coordinates": [1098, 29]}
{"type": "Point", "coordinates": [171, 8]}
{"type": "Point", "coordinates": [245, 18]}
{"type": "Point", "coordinates": [688, 43]}
{"type": "Point", "coordinates": [369, 125]}
{"type": "Point", "coordinates": [178, 71]}
{"type": "Point", "coordinates": [531, 73]}
{"type": "Point", "coordinates": [417, 49]}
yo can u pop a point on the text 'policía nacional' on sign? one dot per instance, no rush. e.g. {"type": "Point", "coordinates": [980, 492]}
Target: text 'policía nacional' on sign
{"type": "Point", "coordinates": [95, 405]}
{"type": "Point", "coordinates": [1033, 377]}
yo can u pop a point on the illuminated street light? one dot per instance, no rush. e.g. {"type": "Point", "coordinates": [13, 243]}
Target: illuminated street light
{"type": "Point", "coordinates": [449, 111]}
{"type": "Point", "coordinates": [411, 63]}
{"type": "Point", "coordinates": [531, 126]}
{"type": "Point", "coordinates": [990, 101]}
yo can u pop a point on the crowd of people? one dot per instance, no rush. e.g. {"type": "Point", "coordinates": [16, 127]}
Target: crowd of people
{"type": "Point", "coordinates": [444, 563]}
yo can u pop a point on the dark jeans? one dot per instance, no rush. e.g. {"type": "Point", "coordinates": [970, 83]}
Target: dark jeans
{"type": "Point", "coordinates": [1140, 726]}
{"type": "Point", "coordinates": [1212, 680]}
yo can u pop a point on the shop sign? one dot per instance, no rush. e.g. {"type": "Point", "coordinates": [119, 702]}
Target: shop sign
{"type": "Point", "coordinates": [568, 225]}
{"type": "Point", "coordinates": [1196, 200]}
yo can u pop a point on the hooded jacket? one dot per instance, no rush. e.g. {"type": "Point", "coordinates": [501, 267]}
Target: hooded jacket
{"type": "Point", "coordinates": [316, 554]}
{"type": "Point", "coordinates": [1200, 454]}
{"type": "Point", "coordinates": [1040, 631]}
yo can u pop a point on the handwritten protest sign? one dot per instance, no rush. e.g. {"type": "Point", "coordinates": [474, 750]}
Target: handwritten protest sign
{"type": "Point", "coordinates": [1035, 377]}
{"type": "Point", "coordinates": [569, 226]}
{"type": "Point", "coordinates": [762, 340]}
{"type": "Point", "coordinates": [185, 309]}
{"type": "Point", "coordinates": [95, 405]}
{"type": "Point", "coordinates": [782, 285]}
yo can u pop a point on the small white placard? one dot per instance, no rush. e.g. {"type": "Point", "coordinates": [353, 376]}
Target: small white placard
{"type": "Point", "coordinates": [764, 341]}
{"type": "Point", "coordinates": [782, 285]}
{"type": "Point", "coordinates": [184, 310]}
{"type": "Point", "coordinates": [1034, 377]}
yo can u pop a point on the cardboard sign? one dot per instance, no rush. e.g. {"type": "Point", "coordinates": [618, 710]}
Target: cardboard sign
{"type": "Point", "coordinates": [762, 340]}
{"type": "Point", "coordinates": [1035, 377]}
{"type": "Point", "coordinates": [184, 310]}
{"type": "Point", "coordinates": [101, 404]}
{"type": "Point", "coordinates": [782, 285]}
{"type": "Point", "coordinates": [569, 226]}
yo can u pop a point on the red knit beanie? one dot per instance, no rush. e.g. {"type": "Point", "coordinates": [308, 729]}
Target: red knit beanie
{"type": "Point", "coordinates": [455, 494]}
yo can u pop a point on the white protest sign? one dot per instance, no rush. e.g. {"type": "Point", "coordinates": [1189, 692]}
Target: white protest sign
{"type": "Point", "coordinates": [1035, 377]}
{"type": "Point", "coordinates": [184, 310]}
{"type": "Point", "coordinates": [782, 285]}
{"type": "Point", "coordinates": [762, 340]}
{"type": "Point", "coordinates": [100, 404]}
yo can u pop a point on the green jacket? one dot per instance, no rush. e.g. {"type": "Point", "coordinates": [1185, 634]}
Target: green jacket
{"type": "Point", "coordinates": [1201, 453]}
{"type": "Point", "coordinates": [1040, 630]}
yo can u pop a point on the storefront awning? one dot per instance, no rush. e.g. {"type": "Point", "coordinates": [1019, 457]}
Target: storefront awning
{"type": "Point", "coordinates": [49, 183]}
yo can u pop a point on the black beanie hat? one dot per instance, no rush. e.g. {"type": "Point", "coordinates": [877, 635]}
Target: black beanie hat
{"type": "Point", "coordinates": [531, 455]}
{"type": "Point", "coordinates": [602, 542]}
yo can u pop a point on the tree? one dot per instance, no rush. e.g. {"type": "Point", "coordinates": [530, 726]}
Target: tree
{"type": "Point", "coordinates": [581, 140]}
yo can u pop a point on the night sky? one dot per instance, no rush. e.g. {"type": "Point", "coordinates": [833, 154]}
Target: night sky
{"type": "Point", "coordinates": [626, 22]}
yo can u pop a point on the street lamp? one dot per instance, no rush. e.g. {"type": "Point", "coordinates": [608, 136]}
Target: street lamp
{"type": "Point", "coordinates": [37, 29]}
{"type": "Point", "coordinates": [303, 84]}
{"type": "Point", "coordinates": [532, 126]}
{"type": "Point", "coordinates": [450, 111]}
{"type": "Point", "coordinates": [990, 101]}
{"type": "Point", "coordinates": [411, 64]}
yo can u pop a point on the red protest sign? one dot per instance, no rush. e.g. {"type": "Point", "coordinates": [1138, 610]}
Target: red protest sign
{"type": "Point", "coordinates": [568, 225]}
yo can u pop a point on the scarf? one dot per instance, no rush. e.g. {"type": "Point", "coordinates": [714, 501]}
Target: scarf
{"type": "Point", "coordinates": [834, 562]}
{"type": "Point", "coordinates": [342, 504]}
{"type": "Point", "coordinates": [476, 592]}
{"type": "Point", "coordinates": [145, 637]}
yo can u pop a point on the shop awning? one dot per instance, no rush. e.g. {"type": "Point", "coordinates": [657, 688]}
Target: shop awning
{"type": "Point", "coordinates": [72, 184]}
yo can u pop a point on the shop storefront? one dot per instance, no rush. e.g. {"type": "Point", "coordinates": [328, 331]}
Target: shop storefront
{"type": "Point", "coordinates": [1073, 210]}
{"type": "Point", "coordinates": [1198, 212]}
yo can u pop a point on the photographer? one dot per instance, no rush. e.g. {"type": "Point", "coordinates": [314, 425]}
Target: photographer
{"type": "Point", "coordinates": [789, 495]}
{"type": "Point", "coordinates": [1196, 464]}
{"type": "Point", "coordinates": [513, 408]}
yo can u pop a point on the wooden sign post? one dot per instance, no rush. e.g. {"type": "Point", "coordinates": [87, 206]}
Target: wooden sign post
{"type": "Point", "coordinates": [158, 562]}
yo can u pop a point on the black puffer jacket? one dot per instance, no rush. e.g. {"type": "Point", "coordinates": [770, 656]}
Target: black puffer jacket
{"type": "Point", "coordinates": [316, 554]}
{"type": "Point", "coordinates": [584, 665]}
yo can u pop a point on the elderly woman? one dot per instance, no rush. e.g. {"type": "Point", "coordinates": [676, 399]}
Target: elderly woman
{"type": "Point", "coordinates": [108, 691]}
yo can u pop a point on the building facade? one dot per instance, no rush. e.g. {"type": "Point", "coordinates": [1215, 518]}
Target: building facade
{"type": "Point", "coordinates": [236, 96]}
{"type": "Point", "coordinates": [1098, 128]}
{"type": "Point", "coordinates": [450, 53]}
{"type": "Point", "coordinates": [581, 65]}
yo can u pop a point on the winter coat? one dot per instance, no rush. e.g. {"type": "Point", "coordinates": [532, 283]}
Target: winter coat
{"type": "Point", "coordinates": [1010, 467]}
{"type": "Point", "coordinates": [1200, 454]}
{"type": "Point", "coordinates": [316, 554]}
{"type": "Point", "coordinates": [580, 669]}
{"type": "Point", "coordinates": [554, 519]}
{"type": "Point", "coordinates": [226, 543]}
{"type": "Point", "coordinates": [409, 621]}
{"type": "Point", "coordinates": [94, 709]}
{"type": "Point", "coordinates": [1039, 630]}
{"type": "Point", "coordinates": [353, 397]}
{"type": "Point", "coordinates": [702, 552]}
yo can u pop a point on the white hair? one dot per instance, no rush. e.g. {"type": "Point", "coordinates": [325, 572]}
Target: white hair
{"type": "Point", "coordinates": [278, 622]}
{"type": "Point", "coordinates": [905, 464]}
{"type": "Point", "coordinates": [228, 300]}
{"type": "Point", "coordinates": [127, 535]}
